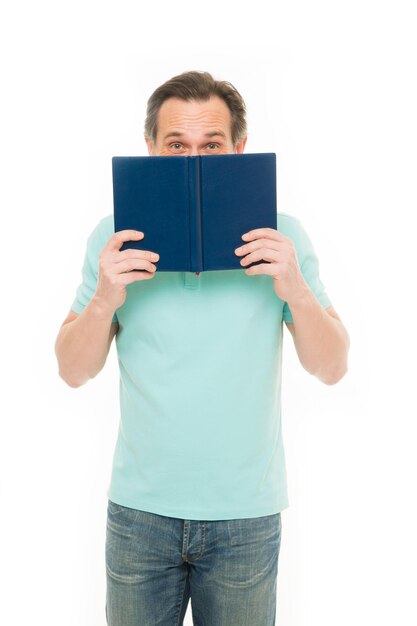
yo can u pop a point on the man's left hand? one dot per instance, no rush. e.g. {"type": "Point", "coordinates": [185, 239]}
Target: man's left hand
{"type": "Point", "coordinates": [270, 245]}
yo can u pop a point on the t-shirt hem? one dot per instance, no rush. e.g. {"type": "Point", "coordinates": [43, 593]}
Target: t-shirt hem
{"type": "Point", "coordinates": [199, 514]}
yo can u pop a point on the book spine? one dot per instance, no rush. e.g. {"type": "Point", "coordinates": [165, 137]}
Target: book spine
{"type": "Point", "coordinates": [196, 238]}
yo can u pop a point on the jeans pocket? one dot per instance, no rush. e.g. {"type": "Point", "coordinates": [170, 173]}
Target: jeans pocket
{"type": "Point", "coordinates": [115, 509]}
{"type": "Point", "coordinates": [120, 518]}
{"type": "Point", "coordinates": [256, 529]}
{"type": "Point", "coordinates": [120, 539]}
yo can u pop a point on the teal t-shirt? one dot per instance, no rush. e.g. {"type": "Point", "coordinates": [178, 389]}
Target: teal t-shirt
{"type": "Point", "coordinates": [200, 433]}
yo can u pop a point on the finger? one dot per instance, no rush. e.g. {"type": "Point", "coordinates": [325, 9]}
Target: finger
{"type": "Point", "coordinates": [134, 264]}
{"type": "Point", "coordinates": [258, 243]}
{"type": "Point", "coordinates": [118, 239]}
{"type": "Point", "coordinates": [265, 254]}
{"type": "Point", "coordinates": [269, 233]}
{"type": "Point", "coordinates": [263, 268]}
{"type": "Point", "coordinates": [132, 253]}
{"type": "Point", "coordinates": [131, 277]}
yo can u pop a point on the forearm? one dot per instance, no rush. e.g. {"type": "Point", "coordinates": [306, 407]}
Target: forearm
{"type": "Point", "coordinates": [83, 344]}
{"type": "Point", "coordinates": [321, 341]}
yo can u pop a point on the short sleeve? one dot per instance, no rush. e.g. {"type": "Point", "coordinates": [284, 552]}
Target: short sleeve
{"type": "Point", "coordinates": [95, 243]}
{"type": "Point", "coordinates": [307, 259]}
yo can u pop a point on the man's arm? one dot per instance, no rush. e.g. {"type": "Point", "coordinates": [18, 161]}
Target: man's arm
{"type": "Point", "coordinates": [320, 339]}
{"type": "Point", "coordinates": [84, 339]}
{"type": "Point", "coordinates": [83, 344]}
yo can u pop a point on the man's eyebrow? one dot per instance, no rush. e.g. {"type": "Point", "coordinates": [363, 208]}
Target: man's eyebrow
{"type": "Point", "coordinates": [214, 133]}
{"type": "Point", "coordinates": [174, 133]}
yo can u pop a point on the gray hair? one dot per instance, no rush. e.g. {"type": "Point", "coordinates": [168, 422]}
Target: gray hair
{"type": "Point", "coordinates": [198, 86]}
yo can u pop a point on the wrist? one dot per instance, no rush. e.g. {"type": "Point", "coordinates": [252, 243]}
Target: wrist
{"type": "Point", "coordinates": [100, 309]}
{"type": "Point", "coordinates": [302, 298]}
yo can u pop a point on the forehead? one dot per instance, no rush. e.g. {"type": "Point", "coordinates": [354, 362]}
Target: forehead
{"type": "Point", "coordinates": [193, 116]}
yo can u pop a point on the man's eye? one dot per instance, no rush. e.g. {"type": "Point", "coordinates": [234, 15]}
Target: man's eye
{"type": "Point", "coordinates": [176, 146]}
{"type": "Point", "coordinates": [212, 146]}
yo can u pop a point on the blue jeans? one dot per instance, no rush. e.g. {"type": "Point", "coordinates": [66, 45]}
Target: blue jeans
{"type": "Point", "coordinates": [155, 564]}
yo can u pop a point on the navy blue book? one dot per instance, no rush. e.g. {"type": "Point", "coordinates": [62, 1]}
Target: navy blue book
{"type": "Point", "coordinates": [193, 210]}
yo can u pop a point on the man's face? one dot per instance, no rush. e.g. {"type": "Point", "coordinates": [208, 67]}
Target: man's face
{"type": "Point", "coordinates": [193, 128]}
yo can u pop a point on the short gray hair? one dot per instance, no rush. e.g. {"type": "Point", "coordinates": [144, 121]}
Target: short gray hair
{"type": "Point", "coordinates": [198, 86]}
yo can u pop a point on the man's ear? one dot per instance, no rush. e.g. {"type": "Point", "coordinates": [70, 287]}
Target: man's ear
{"type": "Point", "coordinates": [150, 145]}
{"type": "Point", "coordinates": [239, 148]}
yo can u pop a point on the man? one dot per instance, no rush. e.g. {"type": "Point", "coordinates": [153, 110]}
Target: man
{"type": "Point", "coordinates": [198, 480]}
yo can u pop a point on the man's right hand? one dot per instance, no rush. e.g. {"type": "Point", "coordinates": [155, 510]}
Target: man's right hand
{"type": "Point", "coordinates": [115, 269]}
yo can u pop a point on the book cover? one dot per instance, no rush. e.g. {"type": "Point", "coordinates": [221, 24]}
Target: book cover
{"type": "Point", "coordinates": [193, 210]}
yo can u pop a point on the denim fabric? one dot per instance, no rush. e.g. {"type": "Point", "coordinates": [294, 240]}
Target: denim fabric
{"type": "Point", "coordinates": [155, 564]}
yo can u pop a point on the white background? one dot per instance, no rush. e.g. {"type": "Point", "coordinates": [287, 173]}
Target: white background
{"type": "Point", "coordinates": [331, 88]}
